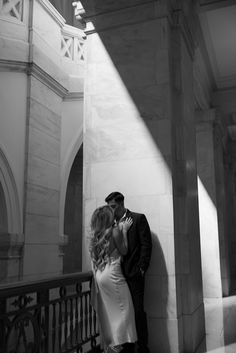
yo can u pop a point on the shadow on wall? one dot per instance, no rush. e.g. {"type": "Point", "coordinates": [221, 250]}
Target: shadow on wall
{"type": "Point", "coordinates": [157, 292]}
{"type": "Point", "coordinates": [72, 261]}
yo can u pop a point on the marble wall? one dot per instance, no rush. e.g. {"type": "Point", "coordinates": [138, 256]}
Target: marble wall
{"type": "Point", "coordinates": [212, 287]}
{"type": "Point", "coordinates": [42, 183]}
{"type": "Point", "coordinates": [41, 83]}
{"type": "Point", "coordinates": [139, 138]}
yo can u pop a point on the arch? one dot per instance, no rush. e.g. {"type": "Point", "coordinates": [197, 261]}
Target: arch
{"type": "Point", "coordinates": [65, 172]}
{"type": "Point", "coordinates": [3, 212]}
{"type": "Point", "coordinates": [10, 192]}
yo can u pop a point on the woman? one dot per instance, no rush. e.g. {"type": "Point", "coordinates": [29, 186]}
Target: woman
{"type": "Point", "coordinates": [108, 242]}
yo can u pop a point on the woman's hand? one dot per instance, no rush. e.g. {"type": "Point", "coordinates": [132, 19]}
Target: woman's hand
{"type": "Point", "coordinates": [127, 224]}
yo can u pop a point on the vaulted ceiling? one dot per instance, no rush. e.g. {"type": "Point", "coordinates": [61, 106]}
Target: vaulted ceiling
{"type": "Point", "coordinates": [218, 22]}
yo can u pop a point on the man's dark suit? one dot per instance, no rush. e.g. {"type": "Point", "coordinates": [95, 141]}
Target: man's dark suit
{"type": "Point", "coordinates": [134, 265]}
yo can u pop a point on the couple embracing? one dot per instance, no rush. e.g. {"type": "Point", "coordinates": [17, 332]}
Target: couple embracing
{"type": "Point", "coordinates": [120, 249]}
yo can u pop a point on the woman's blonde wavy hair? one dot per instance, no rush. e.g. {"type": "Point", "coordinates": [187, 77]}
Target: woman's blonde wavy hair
{"type": "Point", "coordinates": [101, 230]}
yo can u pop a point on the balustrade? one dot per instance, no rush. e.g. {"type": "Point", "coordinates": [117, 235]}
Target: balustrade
{"type": "Point", "coordinates": [48, 316]}
{"type": "Point", "coordinates": [72, 44]}
{"type": "Point", "coordinates": [12, 8]}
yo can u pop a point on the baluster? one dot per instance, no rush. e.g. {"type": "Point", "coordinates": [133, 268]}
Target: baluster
{"type": "Point", "coordinates": [53, 327]}
{"type": "Point", "coordinates": [75, 49]}
{"type": "Point", "coordinates": [42, 299]}
{"type": "Point", "coordinates": [60, 327]}
{"type": "Point", "coordinates": [3, 305]}
{"type": "Point", "coordinates": [90, 315]}
{"type": "Point", "coordinates": [76, 320]}
{"type": "Point", "coordinates": [94, 322]}
{"type": "Point", "coordinates": [71, 322]}
{"type": "Point", "coordinates": [86, 314]}
{"type": "Point", "coordinates": [66, 323]}
{"type": "Point", "coordinates": [81, 317]}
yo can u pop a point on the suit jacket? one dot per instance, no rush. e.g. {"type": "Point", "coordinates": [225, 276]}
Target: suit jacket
{"type": "Point", "coordinates": [139, 246]}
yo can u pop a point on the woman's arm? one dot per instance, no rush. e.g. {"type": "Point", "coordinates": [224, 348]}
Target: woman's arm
{"type": "Point", "coordinates": [120, 235]}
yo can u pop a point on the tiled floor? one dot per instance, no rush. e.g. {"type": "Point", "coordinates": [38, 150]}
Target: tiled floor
{"type": "Point", "coordinates": [220, 318]}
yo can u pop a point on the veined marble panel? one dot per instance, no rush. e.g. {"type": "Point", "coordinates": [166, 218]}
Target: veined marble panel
{"type": "Point", "coordinates": [41, 261]}
{"type": "Point", "coordinates": [191, 292]}
{"type": "Point", "coordinates": [194, 329]}
{"type": "Point", "coordinates": [89, 207]}
{"type": "Point", "coordinates": [149, 104]}
{"type": "Point", "coordinates": [133, 39]}
{"type": "Point", "coordinates": [161, 290]}
{"type": "Point", "coordinates": [108, 144]}
{"type": "Point", "coordinates": [44, 119]}
{"type": "Point", "coordinates": [42, 201]}
{"type": "Point", "coordinates": [147, 174]}
{"type": "Point", "coordinates": [50, 65]}
{"type": "Point", "coordinates": [43, 173]}
{"type": "Point", "coordinates": [48, 25]}
{"type": "Point", "coordinates": [10, 27]}
{"type": "Point", "coordinates": [41, 229]}
{"type": "Point", "coordinates": [163, 254]}
{"type": "Point", "coordinates": [164, 335]}
{"type": "Point", "coordinates": [45, 96]}
{"type": "Point", "coordinates": [14, 50]}
{"type": "Point", "coordinates": [44, 146]}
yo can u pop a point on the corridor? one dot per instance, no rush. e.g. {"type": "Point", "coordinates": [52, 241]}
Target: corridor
{"type": "Point", "coordinates": [220, 326]}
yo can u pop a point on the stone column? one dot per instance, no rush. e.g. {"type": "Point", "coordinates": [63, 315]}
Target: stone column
{"type": "Point", "coordinates": [220, 148]}
{"type": "Point", "coordinates": [139, 138]}
{"type": "Point", "coordinates": [212, 287]}
{"type": "Point", "coordinates": [230, 190]}
{"type": "Point", "coordinates": [46, 87]}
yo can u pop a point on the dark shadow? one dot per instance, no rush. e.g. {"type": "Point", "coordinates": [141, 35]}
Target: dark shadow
{"type": "Point", "coordinates": [158, 269]}
{"type": "Point", "coordinates": [143, 63]}
{"type": "Point", "coordinates": [73, 216]}
{"type": "Point", "coordinates": [229, 313]}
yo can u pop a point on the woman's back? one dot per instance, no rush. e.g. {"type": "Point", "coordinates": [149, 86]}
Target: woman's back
{"type": "Point", "coordinates": [114, 303]}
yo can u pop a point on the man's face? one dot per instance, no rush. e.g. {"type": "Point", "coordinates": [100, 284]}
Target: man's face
{"type": "Point", "coordinates": [118, 208]}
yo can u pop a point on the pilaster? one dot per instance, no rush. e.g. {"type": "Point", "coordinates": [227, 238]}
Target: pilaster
{"type": "Point", "coordinates": [230, 191]}
{"type": "Point", "coordinates": [212, 287]}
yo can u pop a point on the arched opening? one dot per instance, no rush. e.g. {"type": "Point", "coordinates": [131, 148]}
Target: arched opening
{"type": "Point", "coordinates": [3, 212]}
{"type": "Point", "coordinates": [73, 216]}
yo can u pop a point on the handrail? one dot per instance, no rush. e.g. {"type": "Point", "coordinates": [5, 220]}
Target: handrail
{"type": "Point", "coordinates": [48, 316]}
{"type": "Point", "coordinates": [23, 287]}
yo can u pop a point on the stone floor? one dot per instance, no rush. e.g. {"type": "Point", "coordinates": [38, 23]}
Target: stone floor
{"type": "Point", "coordinates": [220, 317]}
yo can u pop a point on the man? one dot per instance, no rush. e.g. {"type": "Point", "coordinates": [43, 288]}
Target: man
{"type": "Point", "coordinates": [135, 263]}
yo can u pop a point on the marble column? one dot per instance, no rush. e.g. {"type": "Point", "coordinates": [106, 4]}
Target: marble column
{"type": "Point", "coordinates": [230, 190]}
{"type": "Point", "coordinates": [139, 138]}
{"type": "Point", "coordinates": [210, 248]}
{"type": "Point", "coordinates": [220, 149]}
{"type": "Point", "coordinates": [42, 253]}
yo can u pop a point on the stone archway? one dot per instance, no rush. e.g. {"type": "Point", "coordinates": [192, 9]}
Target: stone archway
{"type": "Point", "coordinates": [73, 216]}
{"type": "Point", "coordinates": [11, 199]}
{"type": "Point", "coordinates": [3, 212]}
{"type": "Point", "coordinates": [11, 237]}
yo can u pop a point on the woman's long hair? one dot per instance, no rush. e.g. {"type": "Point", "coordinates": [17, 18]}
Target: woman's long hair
{"type": "Point", "coordinates": [101, 230]}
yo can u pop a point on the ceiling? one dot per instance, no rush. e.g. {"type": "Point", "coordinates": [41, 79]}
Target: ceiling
{"type": "Point", "coordinates": [218, 22]}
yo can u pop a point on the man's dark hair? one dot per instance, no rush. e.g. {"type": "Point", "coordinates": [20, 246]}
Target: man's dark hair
{"type": "Point", "coordinates": [116, 196]}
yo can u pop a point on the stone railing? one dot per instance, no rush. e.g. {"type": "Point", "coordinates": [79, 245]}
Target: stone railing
{"type": "Point", "coordinates": [48, 316]}
{"type": "Point", "coordinates": [72, 43]}
{"type": "Point", "coordinates": [12, 8]}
